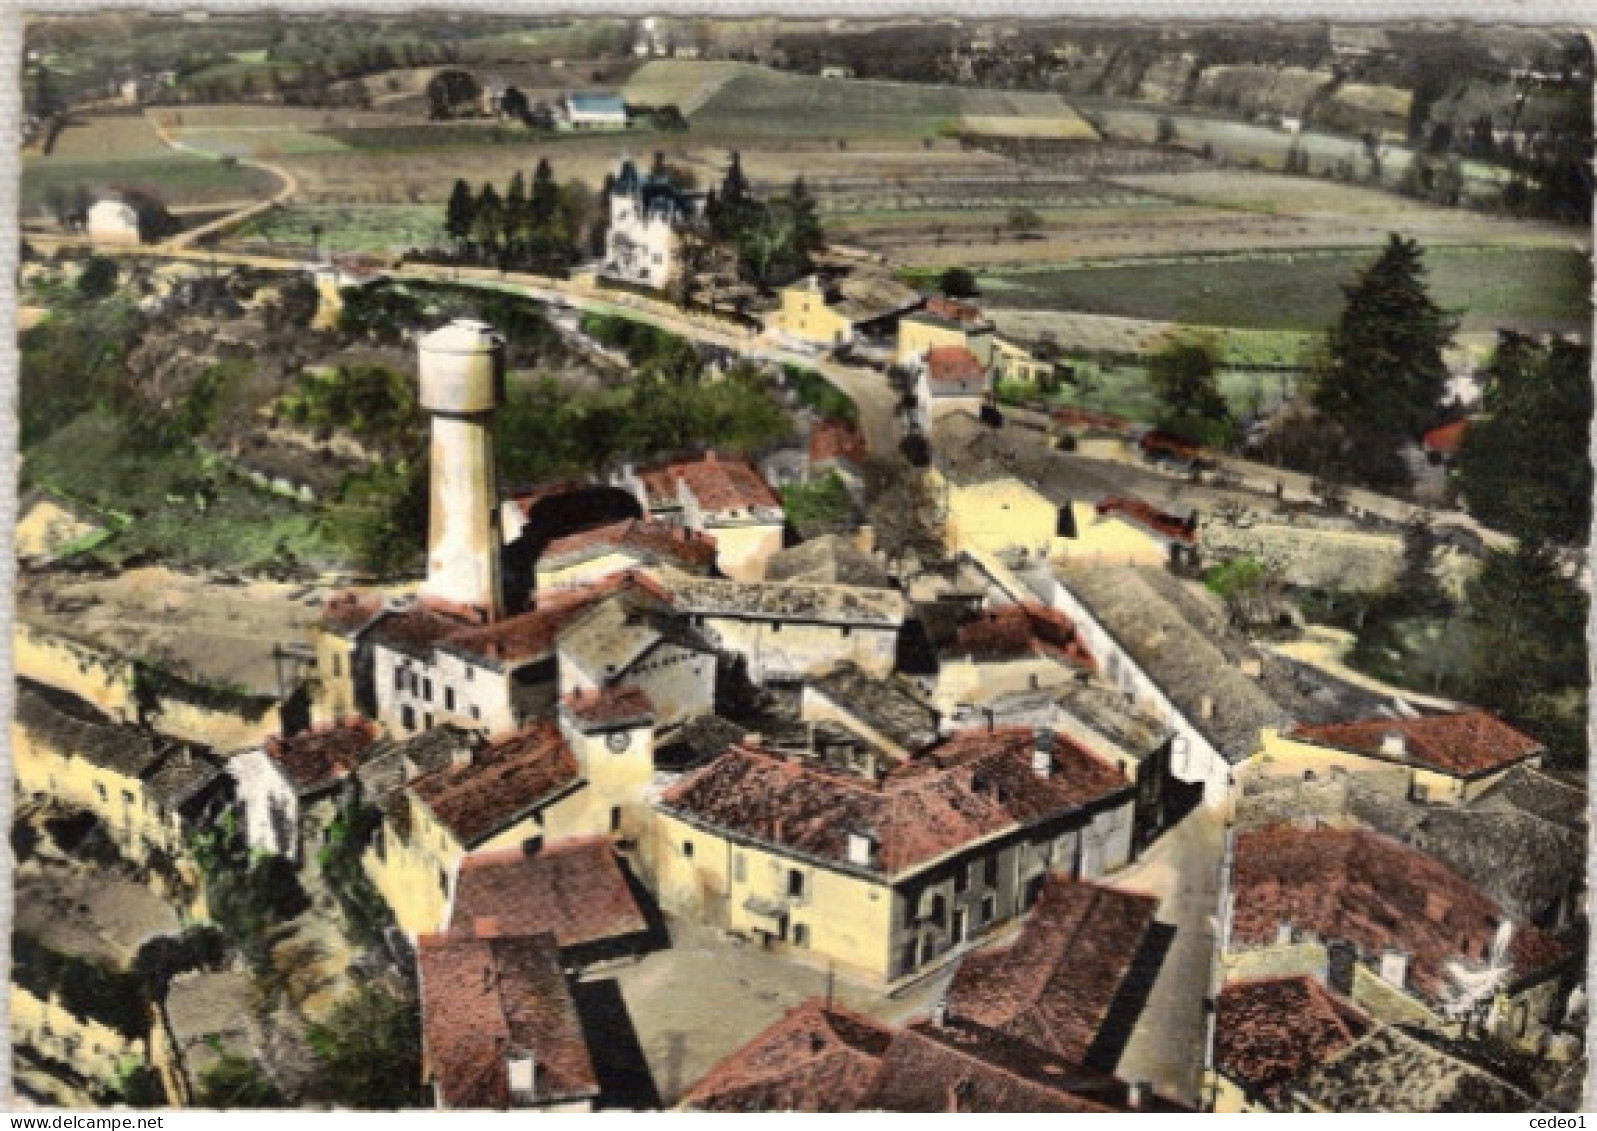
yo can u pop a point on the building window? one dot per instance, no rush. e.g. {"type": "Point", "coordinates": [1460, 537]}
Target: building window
{"type": "Point", "coordinates": [449, 698]}
{"type": "Point", "coordinates": [476, 713]}
{"type": "Point", "coordinates": [795, 883]}
{"type": "Point", "coordinates": [962, 879]}
{"type": "Point", "coordinates": [989, 908]}
{"type": "Point", "coordinates": [989, 871]}
{"type": "Point", "coordinates": [407, 717]}
{"type": "Point", "coordinates": [399, 679]}
{"type": "Point", "coordinates": [740, 868]}
{"type": "Point", "coordinates": [338, 666]}
{"type": "Point", "coordinates": [99, 787]}
{"type": "Point", "coordinates": [427, 690]}
{"type": "Point", "coordinates": [776, 626]}
{"type": "Point", "coordinates": [443, 881]}
{"type": "Point", "coordinates": [906, 957]}
{"type": "Point", "coordinates": [471, 674]}
{"type": "Point", "coordinates": [687, 849]}
{"type": "Point", "coordinates": [801, 938]}
{"type": "Point", "coordinates": [615, 818]}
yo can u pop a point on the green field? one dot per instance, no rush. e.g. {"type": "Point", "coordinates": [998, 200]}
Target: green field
{"type": "Point", "coordinates": [176, 179]}
{"type": "Point", "coordinates": [1532, 289]}
{"type": "Point", "coordinates": [349, 227]}
{"type": "Point", "coordinates": [158, 494]}
{"type": "Point", "coordinates": [763, 102]}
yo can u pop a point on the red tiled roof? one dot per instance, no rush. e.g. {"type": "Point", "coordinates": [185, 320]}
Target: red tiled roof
{"type": "Point", "coordinates": [1448, 438]}
{"type": "Point", "coordinates": [317, 758]}
{"type": "Point", "coordinates": [505, 780]}
{"type": "Point", "coordinates": [573, 888]}
{"type": "Point", "coordinates": [717, 484]}
{"type": "Point", "coordinates": [1085, 418]}
{"type": "Point", "coordinates": [1157, 441]}
{"type": "Point", "coordinates": [1054, 986]}
{"type": "Point", "coordinates": [1269, 1032]}
{"type": "Point", "coordinates": [416, 630]}
{"type": "Point", "coordinates": [1367, 889]}
{"type": "Point", "coordinates": [1465, 744]}
{"type": "Point", "coordinates": [976, 785]}
{"type": "Point", "coordinates": [533, 634]}
{"type": "Point", "coordinates": [815, 1059]}
{"type": "Point", "coordinates": [960, 1067]}
{"type": "Point", "coordinates": [953, 371]}
{"type": "Point", "coordinates": [610, 705]}
{"type": "Point", "coordinates": [836, 440]}
{"type": "Point", "coordinates": [484, 999]}
{"type": "Point", "coordinates": [1029, 629]}
{"type": "Point", "coordinates": [954, 310]}
{"type": "Point", "coordinates": [829, 1059]}
{"type": "Point", "coordinates": [1168, 525]}
{"type": "Point", "coordinates": [350, 611]}
{"type": "Point", "coordinates": [648, 539]}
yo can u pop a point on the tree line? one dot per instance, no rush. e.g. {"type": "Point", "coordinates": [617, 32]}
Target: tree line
{"type": "Point", "coordinates": [543, 227]}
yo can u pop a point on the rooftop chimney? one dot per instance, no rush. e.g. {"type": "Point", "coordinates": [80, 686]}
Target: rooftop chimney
{"type": "Point", "coordinates": [1042, 752]}
{"type": "Point", "coordinates": [1137, 1094]}
{"type": "Point", "coordinates": [1206, 708]}
{"type": "Point", "coordinates": [940, 1013]}
{"type": "Point", "coordinates": [1394, 744]}
{"type": "Point", "coordinates": [861, 848]}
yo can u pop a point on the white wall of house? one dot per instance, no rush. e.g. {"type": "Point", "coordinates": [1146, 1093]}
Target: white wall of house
{"type": "Point", "coordinates": [640, 247]}
{"type": "Point", "coordinates": [270, 805]}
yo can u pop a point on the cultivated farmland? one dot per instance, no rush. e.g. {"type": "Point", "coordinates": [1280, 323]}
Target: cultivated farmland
{"type": "Point", "coordinates": [1301, 290]}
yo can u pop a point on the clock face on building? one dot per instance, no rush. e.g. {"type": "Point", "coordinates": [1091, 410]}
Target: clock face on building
{"type": "Point", "coordinates": [619, 740]}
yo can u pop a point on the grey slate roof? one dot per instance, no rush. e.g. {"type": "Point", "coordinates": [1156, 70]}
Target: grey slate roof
{"type": "Point", "coordinates": [1190, 662]}
{"type": "Point", "coordinates": [1394, 1070]}
{"type": "Point", "coordinates": [829, 560]}
{"type": "Point", "coordinates": [882, 704]}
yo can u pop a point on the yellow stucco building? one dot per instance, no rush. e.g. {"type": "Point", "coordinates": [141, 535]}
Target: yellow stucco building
{"type": "Point", "coordinates": [809, 314]}
{"type": "Point", "coordinates": [884, 875]}
{"type": "Point", "coordinates": [586, 776]}
{"type": "Point", "coordinates": [1450, 759]}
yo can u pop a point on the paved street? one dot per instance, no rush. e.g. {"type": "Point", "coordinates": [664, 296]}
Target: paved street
{"type": "Point", "coordinates": [1182, 869]}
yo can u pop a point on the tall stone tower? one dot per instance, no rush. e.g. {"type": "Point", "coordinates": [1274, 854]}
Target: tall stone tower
{"type": "Point", "coordinates": [462, 385]}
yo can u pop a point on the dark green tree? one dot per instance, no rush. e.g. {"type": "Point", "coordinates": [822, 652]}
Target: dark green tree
{"type": "Point", "coordinates": [234, 1082]}
{"type": "Point", "coordinates": [1528, 660]}
{"type": "Point", "coordinates": [98, 278]}
{"type": "Point", "coordinates": [544, 199]}
{"type": "Point", "coordinates": [488, 222]}
{"type": "Point", "coordinates": [370, 1049]}
{"type": "Point", "coordinates": [1524, 467]}
{"type": "Point", "coordinates": [958, 282]}
{"type": "Point", "coordinates": [513, 104]}
{"type": "Point", "coordinates": [1382, 377]}
{"type": "Point", "coordinates": [1183, 373]}
{"type": "Point", "coordinates": [516, 212]}
{"type": "Point", "coordinates": [461, 213]}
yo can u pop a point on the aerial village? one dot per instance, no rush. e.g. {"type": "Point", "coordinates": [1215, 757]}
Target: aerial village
{"type": "Point", "coordinates": [850, 733]}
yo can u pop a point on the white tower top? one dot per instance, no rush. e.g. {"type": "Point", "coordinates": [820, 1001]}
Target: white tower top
{"type": "Point", "coordinates": [462, 368]}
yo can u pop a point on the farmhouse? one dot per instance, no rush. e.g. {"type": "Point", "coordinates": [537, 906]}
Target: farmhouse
{"type": "Point", "coordinates": [860, 311]}
{"type": "Point", "coordinates": [944, 322]}
{"type": "Point", "coordinates": [949, 379]}
{"type": "Point", "coordinates": [593, 110]}
{"type": "Point", "coordinates": [886, 875]}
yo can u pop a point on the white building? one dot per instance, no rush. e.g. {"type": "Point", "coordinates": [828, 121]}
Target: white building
{"type": "Point", "coordinates": [593, 110]}
{"type": "Point", "coordinates": [646, 219]}
{"type": "Point", "coordinates": [113, 223]}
